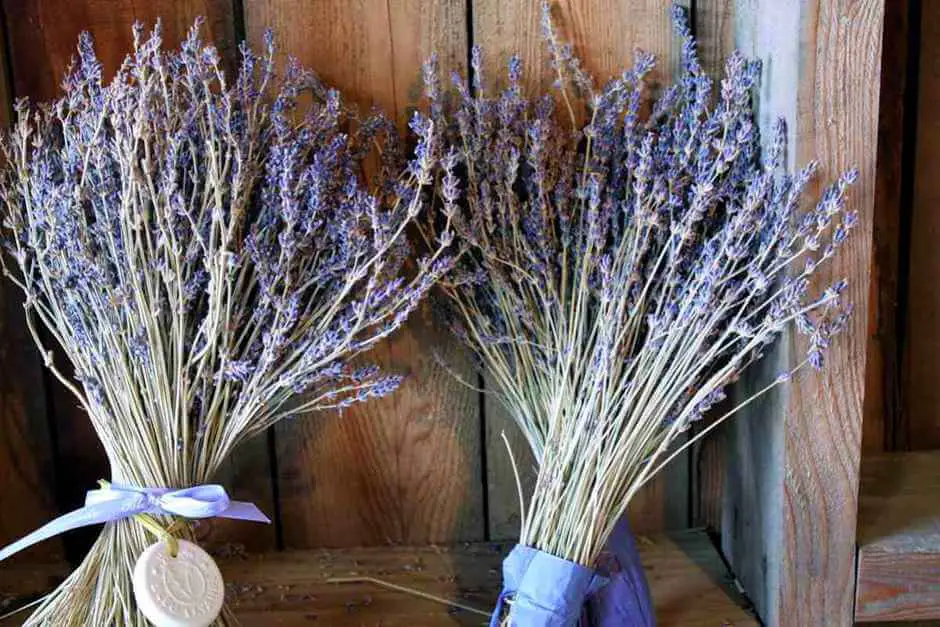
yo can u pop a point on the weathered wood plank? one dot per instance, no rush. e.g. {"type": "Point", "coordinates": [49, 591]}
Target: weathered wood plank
{"type": "Point", "coordinates": [405, 468]}
{"type": "Point", "coordinates": [789, 520]}
{"type": "Point", "coordinates": [838, 124]}
{"type": "Point", "coordinates": [689, 583]}
{"type": "Point", "coordinates": [921, 392]}
{"type": "Point", "coordinates": [26, 445]}
{"type": "Point", "coordinates": [899, 537]}
{"type": "Point", "coordinates": [43, 37]}
{"type": "Point", "coordinates": [604, 34]}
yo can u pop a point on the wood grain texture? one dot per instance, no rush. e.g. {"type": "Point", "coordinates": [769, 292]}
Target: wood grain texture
{"type": "Point", "coordinates": [43, 37]}
{"type": "Point", "coordinates": [405, 468]}
{"type": "Point", "coordinates": [921, 392]}
{"type": "Point", "coordinates": [26, 445]}
{"type": "Point", "coordinates": [604, 34]}
{"type": "Point", "coordinates": [740, 470]}
{"type": "Point", "coordinates": [838, 125]}
{"type": "Point", "coordinates": [689, 583]}
{"type": "Point", "coordinates": [789, 522]}
{"type": "Point", "coordinates": [708, 479]}
{"type": "Point", "coordinates": [899, 537]}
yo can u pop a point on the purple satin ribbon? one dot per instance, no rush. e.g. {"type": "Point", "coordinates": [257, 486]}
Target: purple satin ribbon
{"type": "Point", "coordinates": [548, 591]}
{"type": "Point", "coordinates": [121, 501]}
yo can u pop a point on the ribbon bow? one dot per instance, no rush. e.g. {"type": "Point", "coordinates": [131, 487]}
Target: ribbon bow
{"type": "Point", "coordinates": [120, 501]}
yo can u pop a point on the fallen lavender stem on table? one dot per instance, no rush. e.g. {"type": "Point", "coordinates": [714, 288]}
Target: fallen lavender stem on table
{"type": "Point", "coordinates": [209, 259]}
{"type": "Point", "coordinates": [617, 274]}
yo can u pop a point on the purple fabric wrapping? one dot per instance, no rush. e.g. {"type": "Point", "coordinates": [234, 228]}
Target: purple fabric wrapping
{"type": "Point", "coordinates": [547, 591]}
{"type": "Point", "coordinates": [625, 600]}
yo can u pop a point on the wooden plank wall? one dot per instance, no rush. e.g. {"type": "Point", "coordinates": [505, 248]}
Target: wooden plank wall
{"type": "Point", "coordinates": [428, 464]}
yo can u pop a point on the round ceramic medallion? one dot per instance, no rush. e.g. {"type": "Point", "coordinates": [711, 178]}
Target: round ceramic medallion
{"type": "Point", "coordinates": [182, 591]}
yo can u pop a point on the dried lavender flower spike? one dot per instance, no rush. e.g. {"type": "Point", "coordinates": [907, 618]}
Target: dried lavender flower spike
{"type": "Point", "coordinates": [615, 276]}
{"type": "Point", "coordinates": [207, 256]}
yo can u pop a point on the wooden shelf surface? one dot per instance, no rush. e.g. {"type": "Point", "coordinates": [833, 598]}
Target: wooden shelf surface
{"type": "Point", "coordinates": [899, 538]}
{"type": "Point", "coordinates": [690, 584]}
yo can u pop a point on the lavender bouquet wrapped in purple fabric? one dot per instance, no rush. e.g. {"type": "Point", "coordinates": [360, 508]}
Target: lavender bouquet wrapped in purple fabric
{"type": "Point", "coordinates": [614, 276]}
{"type": "Point", "coordinates": [208, 258]}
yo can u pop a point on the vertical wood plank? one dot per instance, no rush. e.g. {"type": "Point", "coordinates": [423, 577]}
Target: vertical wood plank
{"type": "Point", "coordinates": [43, 36]}
{"type": "Point", "coordinates": [838, 124]}
{"type": "Point", "coordinates": [604, 34]}
{"type": "Point", "coordinates": [789, 524]}
{"type": "Point", "coordinates": [921, 392]}
{"type": "Point", "coordinates": [405, 468]}
{"type": "Point", "coordinates": [882, 422]}
{"type": "Point", "coordinates": [26, 445]}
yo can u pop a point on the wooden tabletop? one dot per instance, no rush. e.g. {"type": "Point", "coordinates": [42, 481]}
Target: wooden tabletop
{"type": "Point", "coordinates": [899, 537]}
{"type": "Point", "coordinates": [690, 585]}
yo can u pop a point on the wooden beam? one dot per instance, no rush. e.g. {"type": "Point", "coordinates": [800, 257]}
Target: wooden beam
{"type": "Point", "coordinates": [788, 519]}
{"type": "Point", "coordinates": [690, 585]}
{"type": "Point", "coordinates": [838, 98]}
{"type": "Point", "coordinates": [899, 538]}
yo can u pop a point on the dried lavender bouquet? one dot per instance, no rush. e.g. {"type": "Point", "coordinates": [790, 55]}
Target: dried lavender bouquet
{"type": "Point", "coordinates": [615, 277]}
{"type": "Point", "coordinates": [209, 259]}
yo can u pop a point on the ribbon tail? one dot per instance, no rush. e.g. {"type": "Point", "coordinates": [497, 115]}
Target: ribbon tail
{"type": "Point", "coordinates": [93, 514]}
{"type": "Point", "coordinates": [498, 612]}
{"type": "Point", "coordinates": [242, 510]}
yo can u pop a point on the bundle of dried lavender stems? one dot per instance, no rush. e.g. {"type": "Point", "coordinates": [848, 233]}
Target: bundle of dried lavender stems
{"type": "Point", "coordinates": [616, 276]}
{"type": "Point", "coordinates": [208, 258]}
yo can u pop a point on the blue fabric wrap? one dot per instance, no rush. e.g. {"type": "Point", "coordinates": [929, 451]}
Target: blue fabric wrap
{"type": "Point", "coordinates": [548, 591]}
{"type": "Point", "coordinates": [626, 599]}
